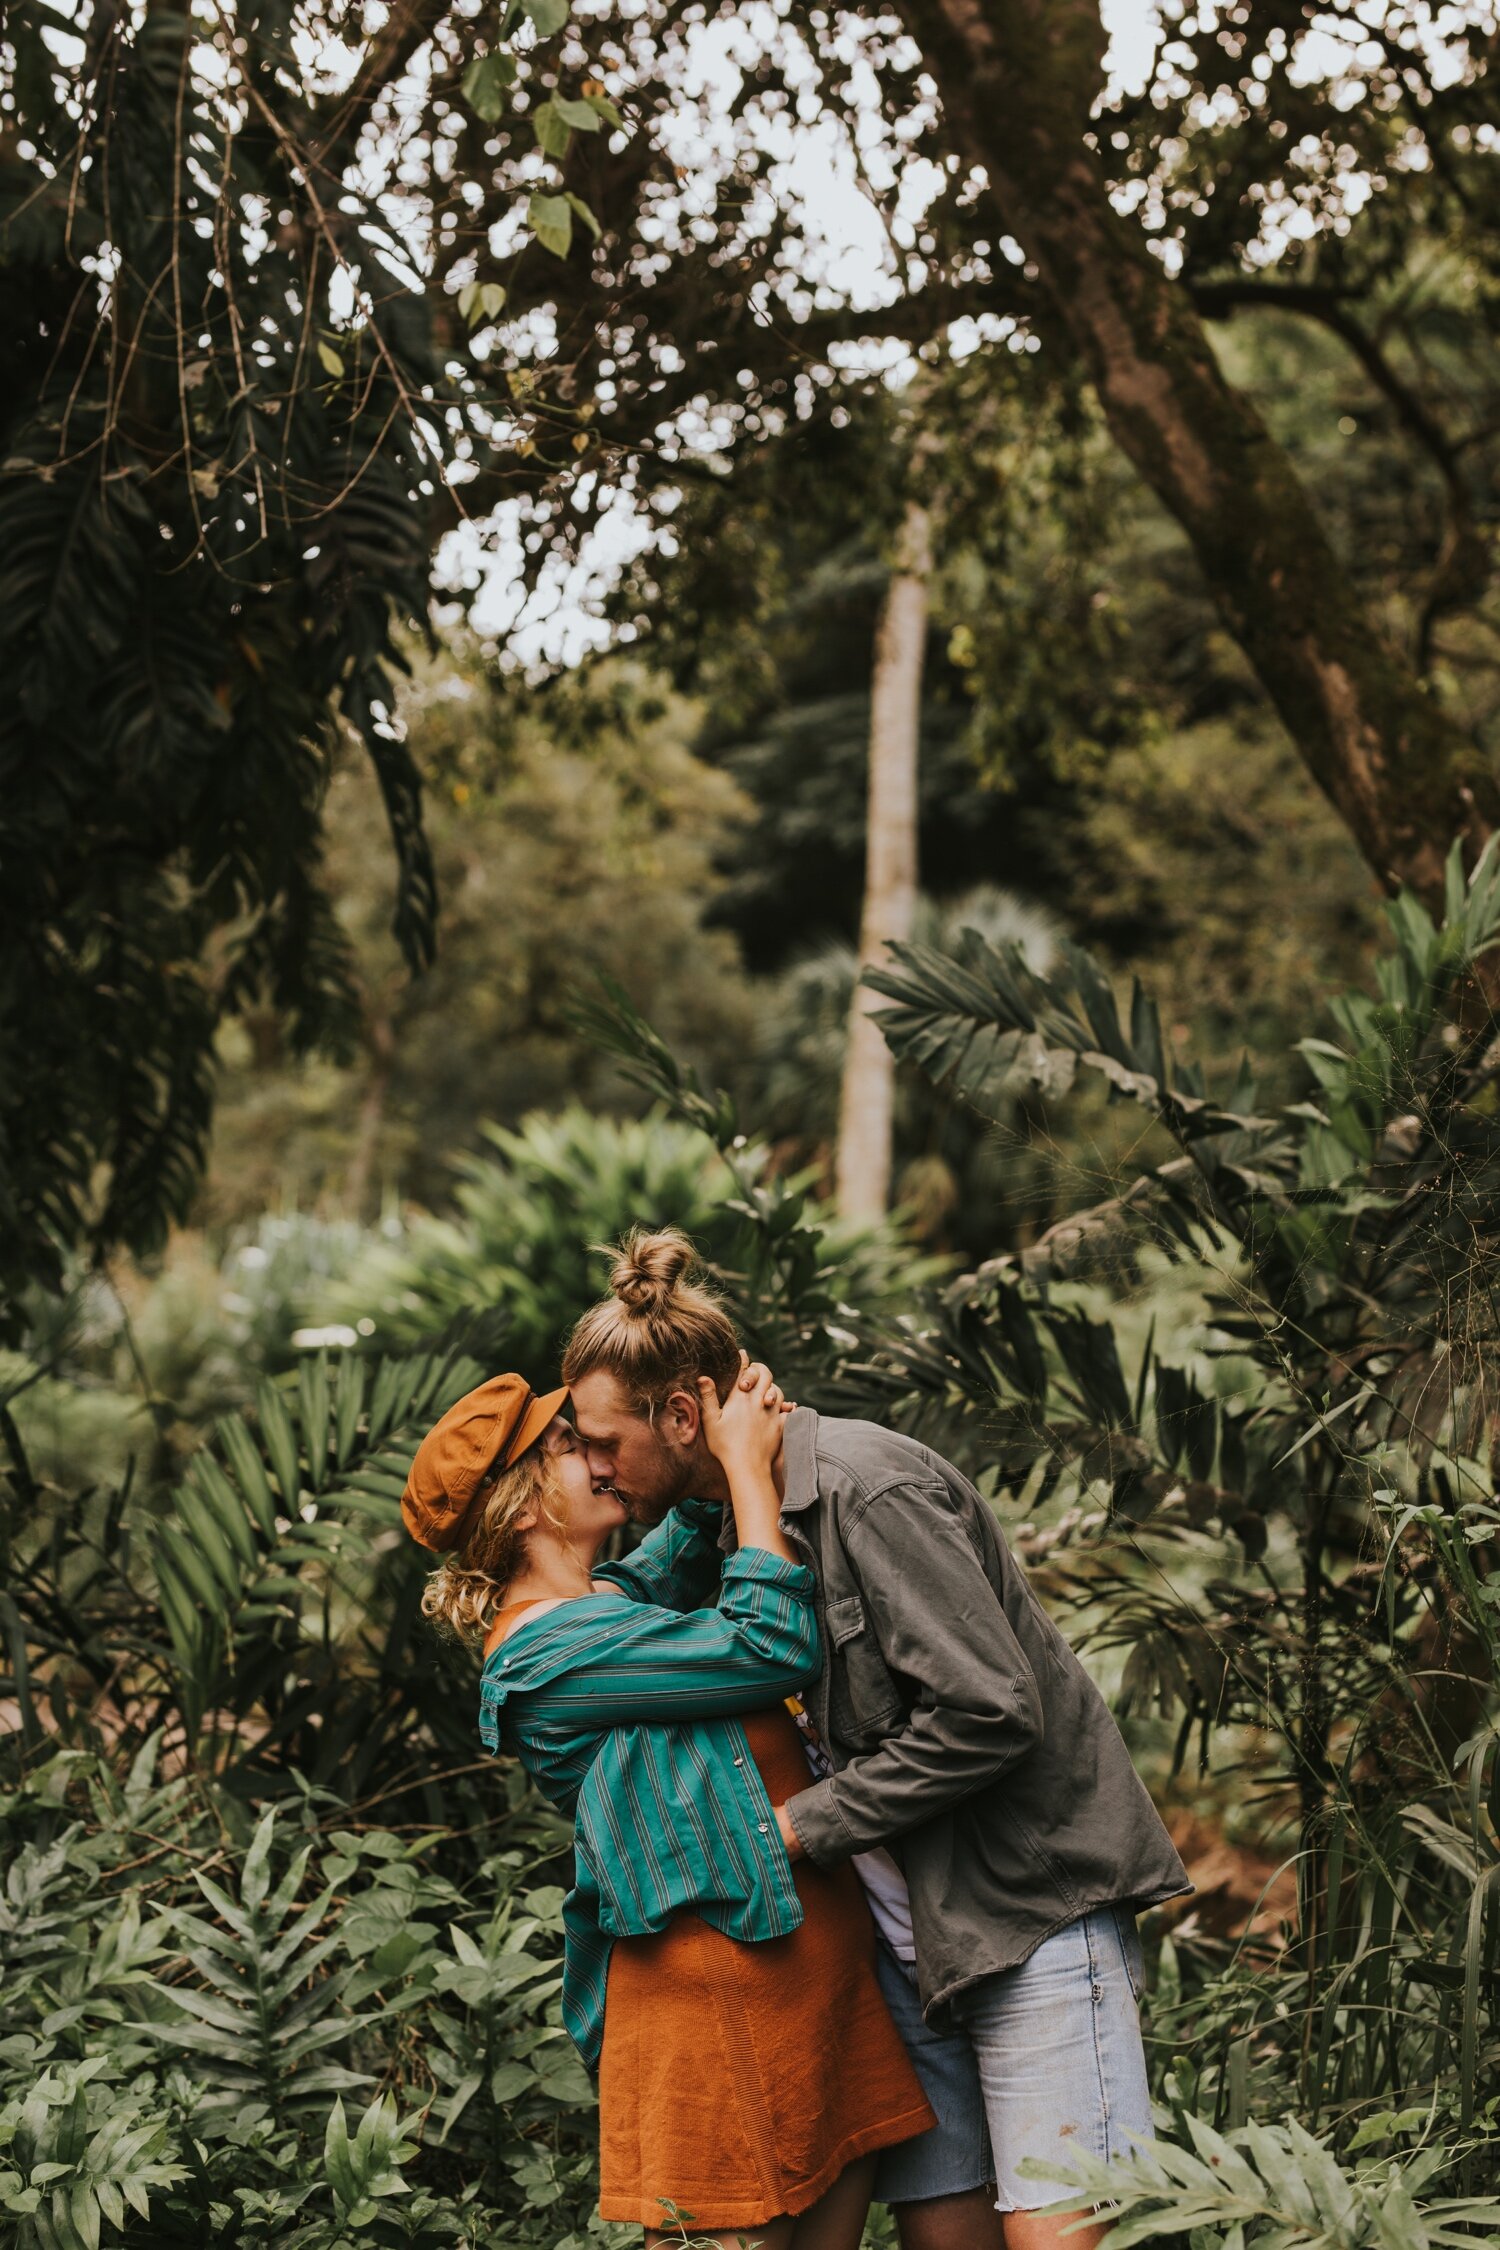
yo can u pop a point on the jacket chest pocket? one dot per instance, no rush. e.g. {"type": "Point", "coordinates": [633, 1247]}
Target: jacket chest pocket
{"type": "Point", "coordinates": [863, 1701]}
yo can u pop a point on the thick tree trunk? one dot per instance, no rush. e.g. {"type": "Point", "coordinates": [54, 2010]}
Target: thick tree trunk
{"type": "Point", "coordinates": [1017, 78]}
{"type": "Point", "coordinates": [868, 1095]}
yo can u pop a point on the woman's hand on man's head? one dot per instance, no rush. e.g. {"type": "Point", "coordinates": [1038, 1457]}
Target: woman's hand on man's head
{"type": "Point", "coordinates": [744, 1431]}
{"type": "Point", "coordinates": [752, 1373]}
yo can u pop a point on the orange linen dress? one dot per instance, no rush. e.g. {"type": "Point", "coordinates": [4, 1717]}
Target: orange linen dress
{"type": "Point", "coordinates": [737, 2081]}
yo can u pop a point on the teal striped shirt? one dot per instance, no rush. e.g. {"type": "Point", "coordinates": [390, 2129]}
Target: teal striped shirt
{"type": "Point", "coordinates": [624, 1713]}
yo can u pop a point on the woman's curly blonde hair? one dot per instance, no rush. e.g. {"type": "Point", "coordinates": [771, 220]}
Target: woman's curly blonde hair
{"type": "Point", "coordinates": [464, 1592]}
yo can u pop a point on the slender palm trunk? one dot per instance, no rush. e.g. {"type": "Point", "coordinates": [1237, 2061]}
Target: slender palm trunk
{"type": "Point", "coordinates": [868, 1097]}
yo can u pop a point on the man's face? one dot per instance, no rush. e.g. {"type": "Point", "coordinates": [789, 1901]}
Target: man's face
{"type": "Point", "coordinates": [649, 1461]}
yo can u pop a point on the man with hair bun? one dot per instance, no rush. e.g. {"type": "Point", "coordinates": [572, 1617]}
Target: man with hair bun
{"type": "Point", "coordinates": [959, 1756]}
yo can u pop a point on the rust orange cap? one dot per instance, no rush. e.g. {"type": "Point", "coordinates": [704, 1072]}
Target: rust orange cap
{"type": "Point", "coordinates": [488, 1428]}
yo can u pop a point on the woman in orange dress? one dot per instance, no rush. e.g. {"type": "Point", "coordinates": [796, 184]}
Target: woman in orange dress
{"type": "Point", "coordinates": [749, 2070]}
{"type": "Point", "coordinates": [759, 2080]}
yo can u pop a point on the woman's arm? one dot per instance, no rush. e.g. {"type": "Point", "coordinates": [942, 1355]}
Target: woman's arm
{"type": "Point", "coordinates": [646, 1665]}
{"type": "Point", "coordinates": [743, 1433]}
{"type": "Point", "coordinates": [677, 1565]}
{"type": "Point", "coordinates": [636, 1665]}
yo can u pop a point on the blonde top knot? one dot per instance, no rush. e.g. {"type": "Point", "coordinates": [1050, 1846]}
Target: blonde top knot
{"type": "Point", "coordinates": [659, 1328]}
{"type": "Point", "coordinates": [648, 1269]}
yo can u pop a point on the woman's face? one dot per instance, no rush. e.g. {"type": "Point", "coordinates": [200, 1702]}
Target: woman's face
{"type": "Point", "coordinates": [589, 1510]}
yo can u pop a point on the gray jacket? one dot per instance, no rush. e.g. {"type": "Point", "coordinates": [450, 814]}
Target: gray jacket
{"type": "Point", "coordinates": [964, 1731]}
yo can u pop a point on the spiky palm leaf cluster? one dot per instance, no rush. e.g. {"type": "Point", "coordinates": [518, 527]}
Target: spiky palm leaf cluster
{"type": "Point", "coordinates": [270, 1615]}
{"type": "Point", "coordinates": [193, 1994]}
{"type": "Point", "coordinates": [1351, 1230]}
{"type": "Point", "coordinates": [194, 1988]}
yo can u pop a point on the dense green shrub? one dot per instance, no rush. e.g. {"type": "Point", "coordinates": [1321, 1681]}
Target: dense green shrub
{"type": "Point", "coordinates": [535, 1211]}
{"type": "Point", "coordinates": [257, 1871]}
{"type": "Point", "coordinates": [530, 1211]}
{"type": "Point", "coordinates": [306, 2030]}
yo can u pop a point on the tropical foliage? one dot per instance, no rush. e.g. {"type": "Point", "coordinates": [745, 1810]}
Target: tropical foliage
{"type": "Point", "coordinates": [309, 309]}
{"type": "Point", "coordinates": [305, 2028]}
{"type": "Point", "coordinates": [568, 833]}
{"type": "Point", "coordinates": [281, 1952]}
{"type": "Point", "coordinates": [240, 396]}
{"type": "Point", "coordinates": [182, 2043]}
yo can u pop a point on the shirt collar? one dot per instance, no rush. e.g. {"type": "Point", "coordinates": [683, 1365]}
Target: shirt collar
{"type": "Point", "coordinates": [799, 1462]}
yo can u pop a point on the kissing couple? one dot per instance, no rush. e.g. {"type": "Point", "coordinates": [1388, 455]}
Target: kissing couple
{"type": "Point", "coordinates": [858, 1846]}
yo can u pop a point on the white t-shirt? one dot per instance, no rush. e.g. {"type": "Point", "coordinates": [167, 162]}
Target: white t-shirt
{"type": "Point", "coordinates": [885, 1885]}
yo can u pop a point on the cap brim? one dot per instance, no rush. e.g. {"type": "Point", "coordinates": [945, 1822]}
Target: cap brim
{"type": "Point", "coordinates": [532, 1423]}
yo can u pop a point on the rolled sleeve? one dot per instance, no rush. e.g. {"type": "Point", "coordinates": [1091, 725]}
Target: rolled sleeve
{"type": "Point", "coordinates": [758, 1566]}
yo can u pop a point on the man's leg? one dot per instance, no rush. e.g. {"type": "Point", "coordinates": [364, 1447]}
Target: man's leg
{"type": "Point", "coordinates": [939, 2183]}
{"type": "Point", "coordinates": [1058, 2047]}
{"type": "Point", "coordinates": [1030, 2230]}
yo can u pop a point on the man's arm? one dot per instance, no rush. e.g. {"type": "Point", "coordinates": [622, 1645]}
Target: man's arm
{"type": "Point", "coordinates": [943, 1627]}
{"type": "Point", "coordinates": [677, 1565]}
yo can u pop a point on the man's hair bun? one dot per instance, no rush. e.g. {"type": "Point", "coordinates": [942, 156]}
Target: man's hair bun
{"type": "Point", "coordinates": [659, 1328]}
{"type": "Point", "coordinates": [649, 1268]}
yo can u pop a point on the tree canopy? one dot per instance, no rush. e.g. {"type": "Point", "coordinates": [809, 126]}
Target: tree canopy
{"type": "Point", "coordinates": [291, 293]}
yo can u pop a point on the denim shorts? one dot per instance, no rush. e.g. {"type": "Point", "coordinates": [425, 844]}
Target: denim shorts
{"type": "Point", "coordinates": [1042, 2059]}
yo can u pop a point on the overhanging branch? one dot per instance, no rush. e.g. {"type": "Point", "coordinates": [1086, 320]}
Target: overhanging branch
{"type": "Point", "coordinates": [1461, 571]}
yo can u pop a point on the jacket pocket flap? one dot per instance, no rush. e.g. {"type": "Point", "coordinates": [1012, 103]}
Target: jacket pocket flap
{"type": "Point", "coordinates": [845, 1618]}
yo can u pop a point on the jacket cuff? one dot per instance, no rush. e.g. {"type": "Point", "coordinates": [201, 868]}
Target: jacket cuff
{"type": "Point", "coordinates": [819, 1824]}
{"type": "Point", "coordinates": [759, 1566]}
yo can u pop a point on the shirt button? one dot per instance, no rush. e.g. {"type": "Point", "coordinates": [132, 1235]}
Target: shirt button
{"type": "Point", "coordinates": [739, 1761]}
{"type": "Point", "coordinates": [764, 1829]}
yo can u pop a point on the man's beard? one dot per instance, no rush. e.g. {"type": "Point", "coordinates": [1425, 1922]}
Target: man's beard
{"type": "Point", "coordinates": [674, 1482]}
